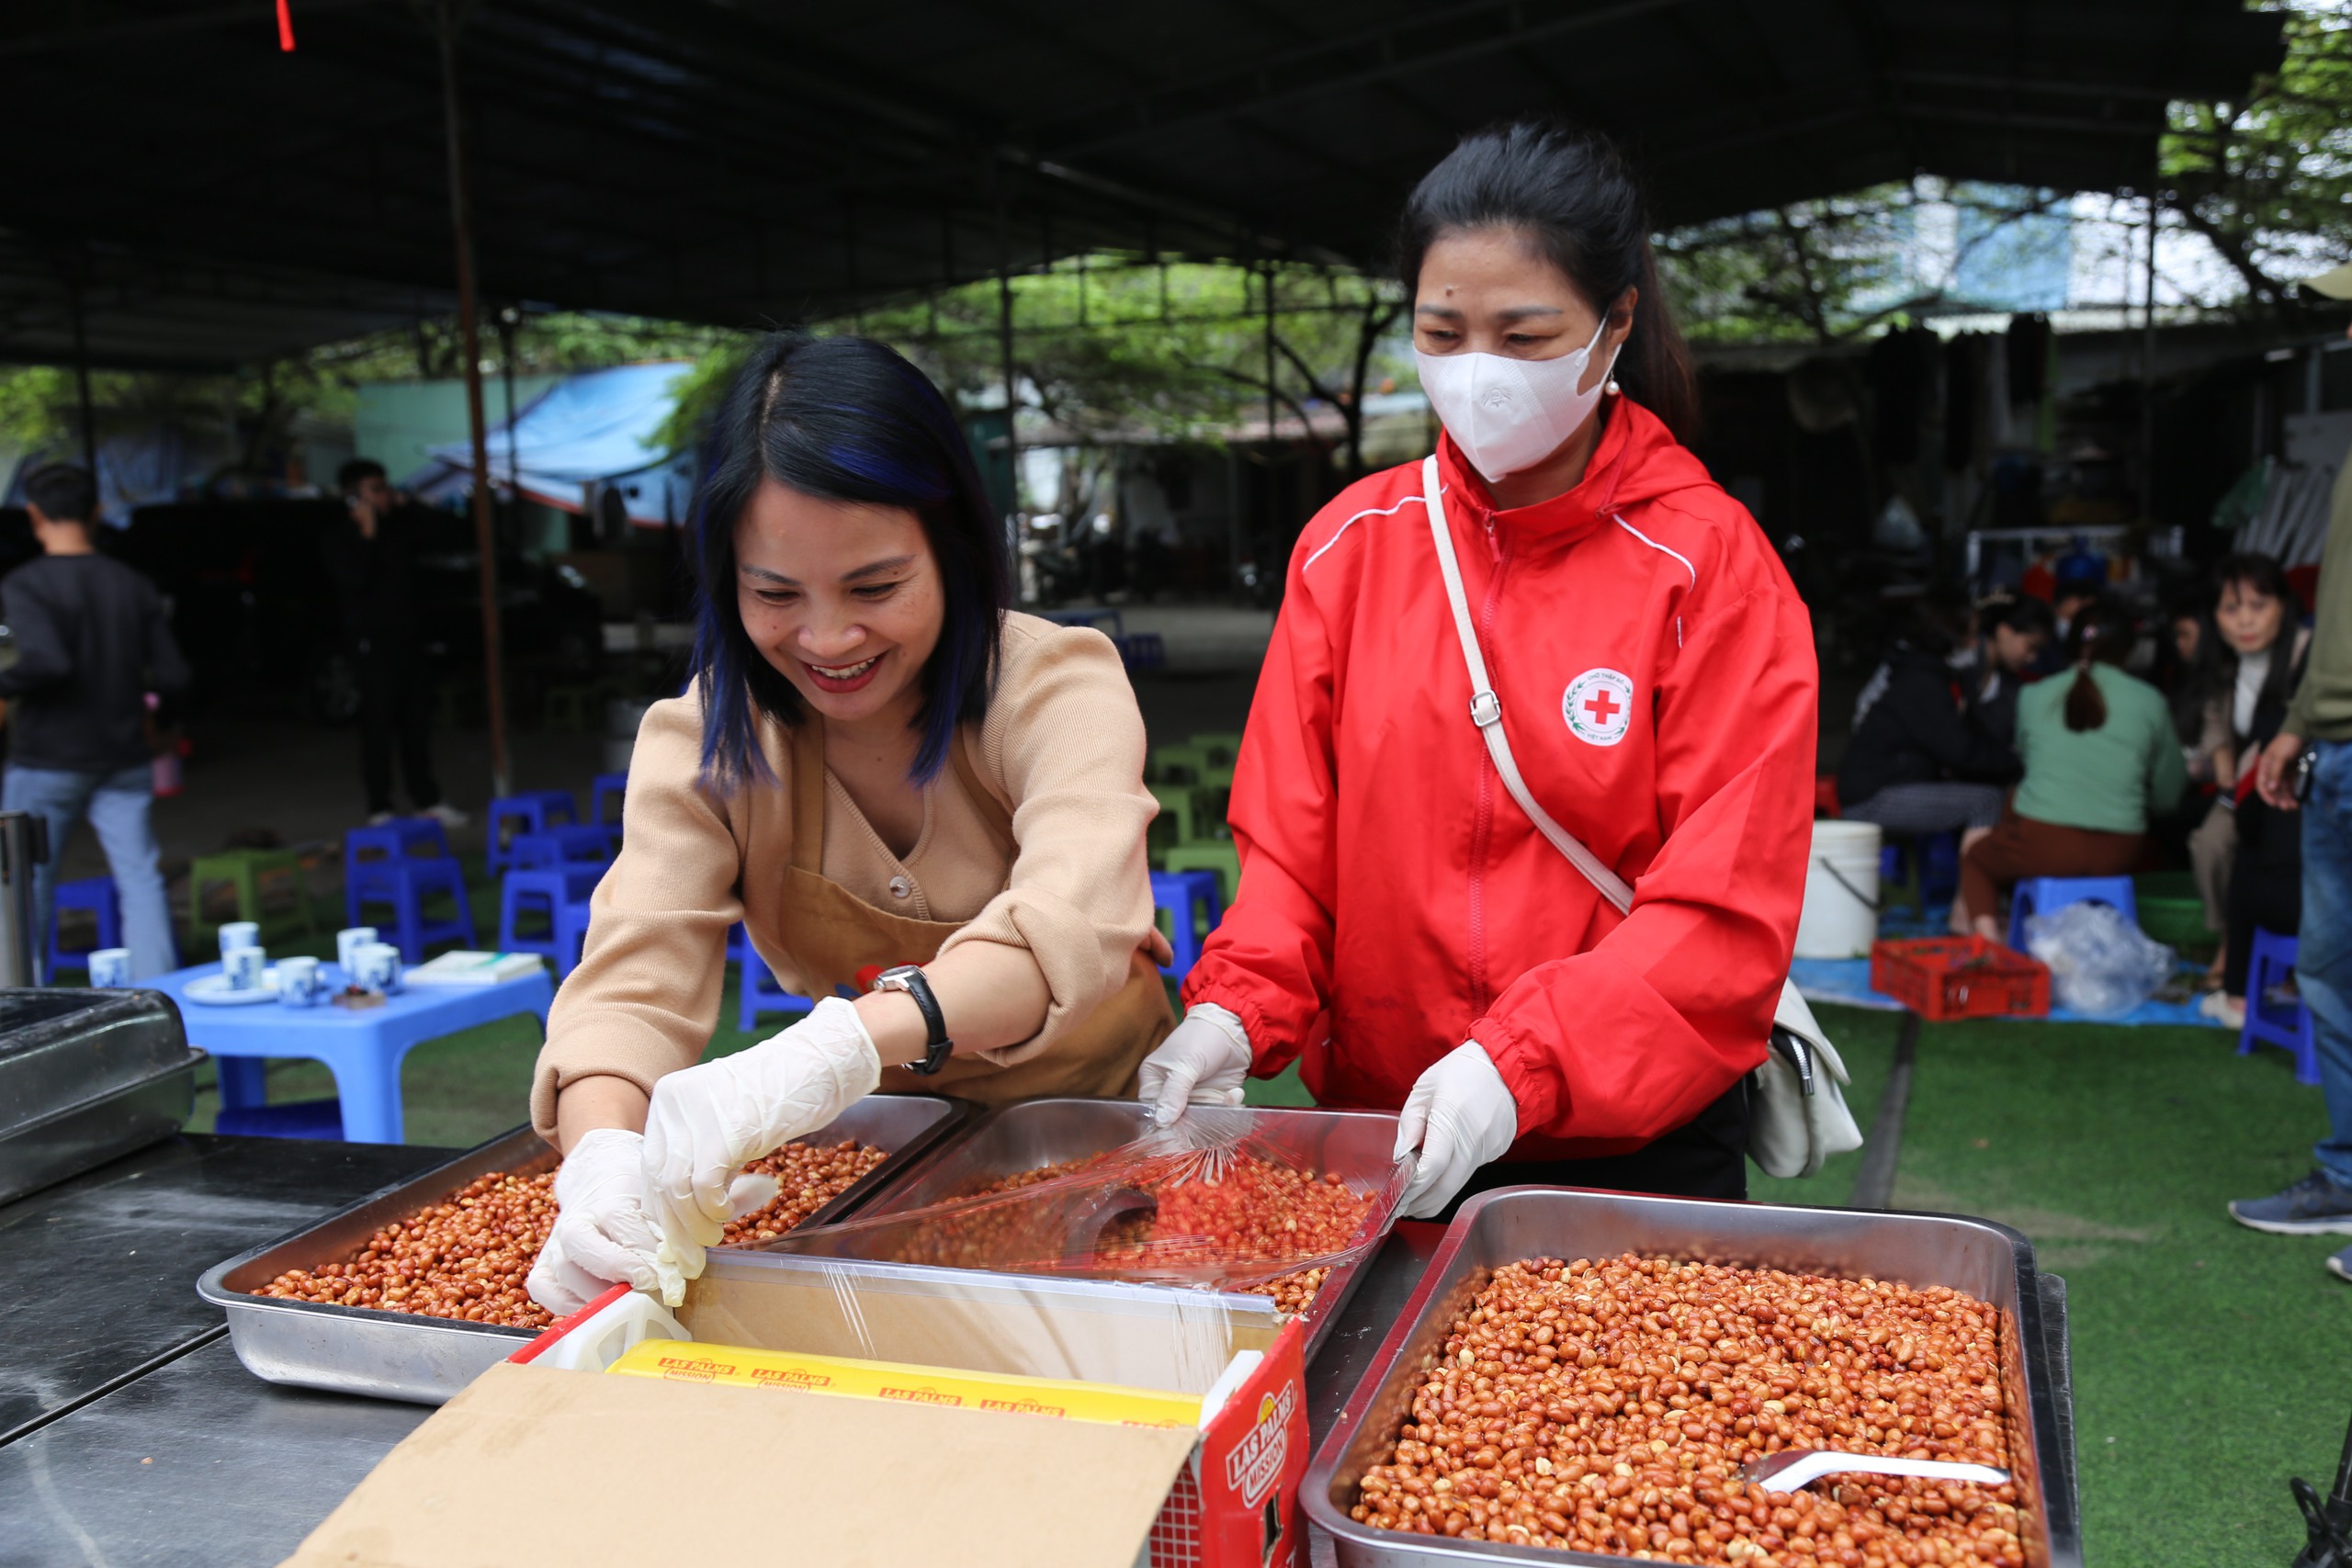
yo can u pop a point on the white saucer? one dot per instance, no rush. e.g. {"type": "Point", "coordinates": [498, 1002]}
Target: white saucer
{"type": "Point", "coordinates": [214, 990]}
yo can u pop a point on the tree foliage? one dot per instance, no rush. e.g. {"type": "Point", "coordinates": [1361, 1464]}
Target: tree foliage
{"type": "Point", "coordinates": [2268, 183]}
{"type": "Point", "coordinates": [1110, 347]}
{"type": "Point", "coordinates": [41, 405]}
{"type": "Point", "coordinates": [1837, 268]}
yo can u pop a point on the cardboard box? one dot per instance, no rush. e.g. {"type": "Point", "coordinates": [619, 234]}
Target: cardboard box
{"type": "Point", "coordinates": [536, 1464]}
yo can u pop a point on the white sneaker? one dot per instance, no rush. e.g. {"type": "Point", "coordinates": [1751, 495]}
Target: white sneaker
{"type": "Point", "coordinates": [379, 818]}
{"type": "Point", "coordinates": [2226, 1010]}
{"type": "Point", "coordinates": [446, 815]}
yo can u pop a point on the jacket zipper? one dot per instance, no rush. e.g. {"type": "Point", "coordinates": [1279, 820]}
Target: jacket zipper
{"type": "Point", "coordinates": [1482, 830]}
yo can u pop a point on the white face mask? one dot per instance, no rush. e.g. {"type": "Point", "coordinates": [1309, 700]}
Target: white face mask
{"type": "Point", "coordinates": [1508, 415]}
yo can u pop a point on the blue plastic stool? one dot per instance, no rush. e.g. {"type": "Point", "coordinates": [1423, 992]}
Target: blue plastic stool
{"type": "Point", "coordinates": [2048, 895]}
{"type": "Point", "coordinates": [97, 895]}
{"type": "Point", "coordinates": [559, 892]}
{"type": "Point", "coordinates": [417, 837]}
{"type": "Point", "coordinates": [319, 1119]}
{"type": "Point", "coordinates": [1143, 651]}
{"type": "Point", "coordinates": [2271, 964]}
{"type": "Point", "coordinates": [535, 811]}
{"type": "Point", "coordinates": [381, 866]}
{"type": "Point", "coordinates": [760, 994]}
{"type": "Point", "coordinates": [1924, 867]}
{"type": "Point", "coordinates": [560, 846]}
{"type": "Point", "coordinates": [1193, 909]}
{"type": "Point", "coordinates": [605, 788]}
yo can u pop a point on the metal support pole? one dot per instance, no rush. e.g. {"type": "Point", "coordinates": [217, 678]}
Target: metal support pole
{"type": "Point", "coordinates": [1012, 387]}
{"type": "Point", "coordinates": [1272, 451]}
{"type": "Point", "coordinates": [2148, 367]}
{"type": "Point", "coordinates": [508, 320]}
{"type": "Point", "coordinates": [82, 381]}
{"type": "Point", "coordinates": [1269, 373]}
{"type": "Point", "coordinates": [447, 19]}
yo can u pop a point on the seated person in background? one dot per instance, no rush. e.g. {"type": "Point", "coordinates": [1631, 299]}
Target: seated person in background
{"type": "Point", "coordinates": [2011, 631]}
{"type": "Point", "coordinates": [2098, 753]}
{"type": "Point", "coordinates": [1915, 764]}
{"type": "Point", "coordinates": [2176, 674]}
{"type": "Point", "coordinates": [2249, 647]}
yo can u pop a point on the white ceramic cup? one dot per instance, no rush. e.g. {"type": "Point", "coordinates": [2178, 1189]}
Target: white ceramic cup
{"type": "Point", "coordinates": [110, 966]}
{"type": "Point", "coordinates": [244, 966]}
{"type": "Point", "coordinates": [299, 982]}
{"type": "Point", "coordinates": [237, 935]}
{"type": "Point", "coordinates": [379, 967]}
{"type": "Point", "coordinates": [347, 944]}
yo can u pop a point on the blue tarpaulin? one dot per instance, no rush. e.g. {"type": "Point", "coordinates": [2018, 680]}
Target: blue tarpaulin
{"type": "Point", "coordinates": [589, 432]}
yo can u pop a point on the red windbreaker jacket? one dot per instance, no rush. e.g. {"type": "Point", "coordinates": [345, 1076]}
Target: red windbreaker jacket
{"type": "Point", "coordinates": [1657, 680]}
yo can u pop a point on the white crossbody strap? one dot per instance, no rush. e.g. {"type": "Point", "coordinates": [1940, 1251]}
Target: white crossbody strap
{"type": "Point", "coordinates": [1486, 712]}
{"type": "Point", "coordinates": [1487, 709]}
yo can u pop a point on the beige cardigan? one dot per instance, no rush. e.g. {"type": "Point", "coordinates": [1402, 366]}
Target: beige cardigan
{"type": "Point", "coordinates": [1063, 743]}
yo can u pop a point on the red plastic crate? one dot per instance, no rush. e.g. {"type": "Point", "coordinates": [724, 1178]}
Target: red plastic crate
{"type": "Point", "coordinates": [1941, 978]}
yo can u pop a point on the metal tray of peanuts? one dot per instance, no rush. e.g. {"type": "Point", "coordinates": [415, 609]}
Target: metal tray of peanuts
{"type": "Point", "coordinates": [1578, 1432]}
{"type": "Point", "coordinates": [1018, 1138]}
{"type": "Point", "coordinates": [426, 1360]}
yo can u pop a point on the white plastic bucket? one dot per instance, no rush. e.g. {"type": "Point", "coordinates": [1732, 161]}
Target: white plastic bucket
{"type": "Point", "coordinates": [1840, 918]}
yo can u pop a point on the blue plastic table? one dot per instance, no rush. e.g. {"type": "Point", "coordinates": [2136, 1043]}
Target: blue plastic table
{"type": "Point", "coordinates": [362, 1047]}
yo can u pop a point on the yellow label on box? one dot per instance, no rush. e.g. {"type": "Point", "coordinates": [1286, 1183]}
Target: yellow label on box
{"type": "Point", "coordinates": [685, 1361]}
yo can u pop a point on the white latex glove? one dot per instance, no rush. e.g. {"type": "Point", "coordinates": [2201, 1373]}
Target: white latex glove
{"type": "Point", "coordinates": [706, 1122]}
{"type": "Point", "coordinates": [1203, 1062]}
{"type": "Point", "coordinates": [604, 1234]}
{"type": "Point", "coordinates": [1461, 1116]}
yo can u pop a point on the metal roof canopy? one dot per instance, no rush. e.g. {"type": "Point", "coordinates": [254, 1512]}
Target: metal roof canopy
{"type": "Point", "coordinates": [740, 161]}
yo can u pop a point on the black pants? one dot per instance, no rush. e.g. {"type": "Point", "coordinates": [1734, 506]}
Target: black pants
{"type": "Point", "coordinates": [1704, 1158]}
{"type": "Point", "coordinates": [2261, 894]}
{"type": "Point", "coordinates": [396, 709]}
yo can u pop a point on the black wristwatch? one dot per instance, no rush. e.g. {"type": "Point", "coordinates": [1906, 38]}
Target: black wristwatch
{"type": "Point", "coordinates": [913, 982]}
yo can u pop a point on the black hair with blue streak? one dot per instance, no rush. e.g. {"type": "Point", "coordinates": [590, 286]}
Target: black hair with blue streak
{"type": "Point", "coordinates": [843, 418]}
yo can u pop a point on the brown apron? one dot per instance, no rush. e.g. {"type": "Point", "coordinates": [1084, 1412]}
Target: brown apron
{"type": "Point", "coordinates": [830, 934]}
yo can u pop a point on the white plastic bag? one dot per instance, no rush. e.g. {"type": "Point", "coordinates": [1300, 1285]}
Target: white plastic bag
{"type": "Point", "coordinates": [2100, 964]}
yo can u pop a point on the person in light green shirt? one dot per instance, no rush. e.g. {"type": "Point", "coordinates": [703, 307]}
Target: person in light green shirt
{"type": "Point", "coordinates": [2099, 755]}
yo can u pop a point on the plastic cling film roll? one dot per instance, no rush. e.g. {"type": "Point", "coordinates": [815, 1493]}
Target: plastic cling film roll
{"type": "Point", "coordinates": [679, 1361]}
{"type": "Point", "coordinates": [1225, 1200]}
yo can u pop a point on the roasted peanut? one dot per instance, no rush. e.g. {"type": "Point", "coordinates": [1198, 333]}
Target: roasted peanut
{"type": "Point", "coordinates": [1622, 1432]}
{"type": "Point", "coordinates": [469, 1256]}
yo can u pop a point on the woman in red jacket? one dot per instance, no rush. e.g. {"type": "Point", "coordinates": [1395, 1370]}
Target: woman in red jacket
{"type": "Point", "coordinates": [1401, 922]}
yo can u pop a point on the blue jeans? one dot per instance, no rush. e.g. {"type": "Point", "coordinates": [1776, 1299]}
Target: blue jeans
{"type": "Point", "coordinates": [116, 805]}
{"type": "Point", "coordinates": [2323, 949]}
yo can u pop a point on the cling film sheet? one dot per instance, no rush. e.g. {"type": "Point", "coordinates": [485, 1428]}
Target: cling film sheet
{"type": "Point", "coordinates": [1085, 1331]}
{"type": "Point", "coordinates": [1230, 1201]}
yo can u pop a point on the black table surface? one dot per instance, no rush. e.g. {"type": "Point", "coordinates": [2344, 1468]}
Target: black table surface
{"type": "Point", "coordinates": [196, 1464]}
{"type": "Point", "coordinates": [98, 1275]}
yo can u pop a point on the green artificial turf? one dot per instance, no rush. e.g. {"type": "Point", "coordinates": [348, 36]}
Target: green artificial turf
{"type": "Point", "coordinates": [1865, 1043]}
{"type": "Point", "coordinates": [2209, 1359]}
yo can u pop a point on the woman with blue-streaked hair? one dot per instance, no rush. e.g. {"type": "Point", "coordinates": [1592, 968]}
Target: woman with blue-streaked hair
{"type": "Point", "coordinates": [877, 767]}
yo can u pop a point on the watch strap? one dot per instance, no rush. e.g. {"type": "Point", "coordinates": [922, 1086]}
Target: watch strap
{"type": "Point", "coordinates": [917, 985]}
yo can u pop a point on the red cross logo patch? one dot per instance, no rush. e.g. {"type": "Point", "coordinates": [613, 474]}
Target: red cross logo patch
{"type": "Point", "coordinates": [1599, 707]}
